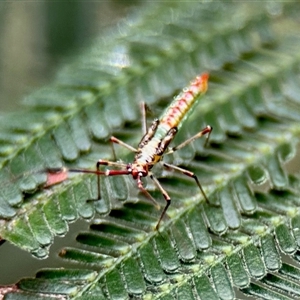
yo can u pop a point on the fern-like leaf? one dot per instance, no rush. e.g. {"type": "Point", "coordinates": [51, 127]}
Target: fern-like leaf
{"type": "Point", "coordinates": [203, 250]}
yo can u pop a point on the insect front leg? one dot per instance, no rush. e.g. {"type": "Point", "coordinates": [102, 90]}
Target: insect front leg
{"type": "Point", "coordinates": [102, 162]}
{"type": "Point", "coordinates": [62, 175]}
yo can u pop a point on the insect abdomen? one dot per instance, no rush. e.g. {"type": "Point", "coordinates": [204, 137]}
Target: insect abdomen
{"type": "Point", "coordinates": [183, 103]}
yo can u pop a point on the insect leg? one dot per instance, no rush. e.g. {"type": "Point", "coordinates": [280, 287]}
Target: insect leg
{"type": "Point", "coordinates": [144, 127]}
{"type": "Point", "coordinates": [166, 196]}
{"type": "Point", "coordinates": [56, 176]}
{"type": "Point", "coordinates": [117, 141]}
{"type": "Point", "coordinates": [188, 173]}
{"type": "Point", "coordinates": [110, 173]}
{"type": "Point", "coordinates": [146, 193]}
{"type": "Point", "coordinates": [102, 162]}
{"type": "Point", "coordinates": [144, 118]}
{"type": "Point", "coordinates": [207, 130]}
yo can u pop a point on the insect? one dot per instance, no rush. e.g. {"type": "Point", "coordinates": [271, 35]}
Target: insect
{"type": "Point", "coordinates": [155, 143]}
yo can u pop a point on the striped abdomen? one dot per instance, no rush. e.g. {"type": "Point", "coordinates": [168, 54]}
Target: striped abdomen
{"type": "Point", "coordinates": [161, 132]}
{"type": "Point", "coordinates": [183, 103]}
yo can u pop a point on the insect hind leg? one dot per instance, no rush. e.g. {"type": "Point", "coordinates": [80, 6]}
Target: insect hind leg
{"type": "Point", "coordinates": [143, 108]}
{"type": "Point", "coordinates": [114, 140]}
{"type": "Point", "coordinates": [207, 130]}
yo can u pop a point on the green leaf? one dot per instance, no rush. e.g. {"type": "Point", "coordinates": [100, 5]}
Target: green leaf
{"type": "Point", "coordinates": [208, 250]}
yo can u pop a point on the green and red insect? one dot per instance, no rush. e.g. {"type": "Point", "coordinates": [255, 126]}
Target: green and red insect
{"type": "Point", "coordinates": [154, 144]}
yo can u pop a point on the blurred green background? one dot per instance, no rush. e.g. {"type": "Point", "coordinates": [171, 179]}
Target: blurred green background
{"type": "Point", "coordinates": [36, 37]}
